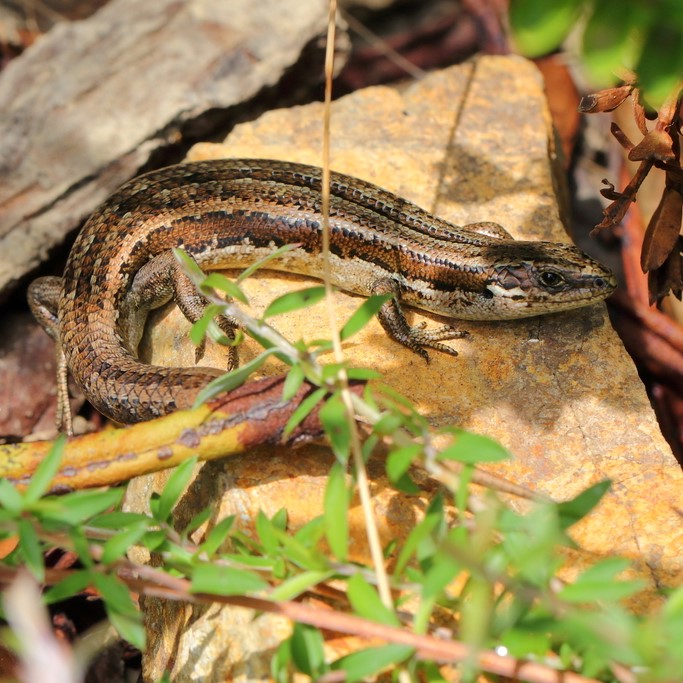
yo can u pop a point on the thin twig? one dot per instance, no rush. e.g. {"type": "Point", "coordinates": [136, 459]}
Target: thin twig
{"type": "Point", "coordinates": [363, 485]}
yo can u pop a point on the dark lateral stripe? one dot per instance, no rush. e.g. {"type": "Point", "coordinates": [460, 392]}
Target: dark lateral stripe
{"type": "Point", "coordinates": [265, 228]}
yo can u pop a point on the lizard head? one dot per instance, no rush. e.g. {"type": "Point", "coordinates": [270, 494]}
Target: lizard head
{"type": "Point", "coordinates": [533, 278]}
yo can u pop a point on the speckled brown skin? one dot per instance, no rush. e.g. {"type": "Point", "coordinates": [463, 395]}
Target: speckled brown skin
{"type": "Point", "coordinates": [229, 213]}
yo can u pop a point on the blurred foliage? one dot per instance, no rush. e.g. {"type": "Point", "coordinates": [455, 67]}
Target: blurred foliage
{"type": "Point", "coordinates": [618, 38]}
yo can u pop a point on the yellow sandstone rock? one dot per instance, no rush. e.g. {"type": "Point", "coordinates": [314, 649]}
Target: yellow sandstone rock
{"type": "Point", "coordinates": [469, 143]}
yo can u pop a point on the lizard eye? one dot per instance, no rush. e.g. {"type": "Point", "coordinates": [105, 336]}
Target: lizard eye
{"type": "Point", "coordinates": [550, 278]}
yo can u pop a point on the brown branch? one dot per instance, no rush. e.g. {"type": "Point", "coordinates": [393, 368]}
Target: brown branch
{"type": "Point", "coordinates": [252, 415]}
{"type": "Point", "coordinates": [427, 647]}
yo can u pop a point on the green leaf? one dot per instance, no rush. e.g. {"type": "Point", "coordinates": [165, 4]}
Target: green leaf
{"type": "Point", "coordinates": [224, 284]}
{"type": "Point", "coordinates": [299, 583]}
{"type": "Point", "coordinates": [301, 554]}
{"type": "Point", "coordinates": [130, 628]}
{"type": "Point", "coordinates": [45, 472]}
{"type": "Point", "coordinates": [208, 282]}
{"type": "Point", "coordinates": [476, 612]}
{"type": "Point", "coordinates": [661, 63]}
{"type": "Point", "coordinates": [571, 511]}
{"type": "Point", "coordinates": [433, 517]}
{"type": "Point", "coordinates": [174, 488]}
{"type": "Point", "coordinates": [673, 607]}
{"type": "Point", "coordinates": [311, 532]}
{"type": "Point", "coordinates": [363, 315]}
{"type": "Point", "coordinates": [280, 664]}
{"type": "Point", "coordinates": [330, 371]}
{"type": "Point", "coordinates": [473, 448]}
{"type": "Point", "coordinates": [156, 540]}
{"type": "Point", "coordinates": [388, 423]}
{"type": "Point", "coordinates": [118, 545]}
{"type": "Point", "coordinates": [429, 671]}
{"type": "Point", "coordinates": [118, 519]}
{"type": "Point", "coordinates": [248, 272]}
{"type": "Point", "coordinates": [366, 603]}
{"type": "Point", "coordinates": [336, 424]}
{"type": "Point", "coordinates": [121, 610]}
{"type": "Point", "coordinates": [115, 594]}
{"type": "Point", "coordinates": [612, 40]}
{"type": "Point", "coordinates": [266, 533]}
{"type": "Point", "coordinates": [280, 519]}
{"type": "Point", "coordinates": [30, 547]}
{"type": "Point", "coordinates": [316, 345]}
{"type": "Point", "coordinates": [398, 465]}
{"type": "Point", "coordinates": [295, 378]}
{"type": "Point", "coordinates": [363, 374]}
{"type": "Point", "coordinates": [80, 506]}
{"type": "Point", "coordinates": [336, 509]}
{"type": "Point", "coordinates": [200, 328]}
{"type": "Point", "coordinates": [280, 571]}
{"type": "Point", "coordinates": [198, 520]}
{"type": "Point", "coordinates": [306, 646]}
{"type": "Point", "coordinates": [218, 580]}
{"type": "Point", "coordinates": [80, 546]}
{"type": "Point", "coordinates": [530, 542]}
{"type": "Point", "coordinates": [400, 460]}
{"type": "Point", "coordinates": [440, 574]}
{"type": "Point", "coordinates": [216, 537]}
{"type": "Point", "coordinates": [539, 28]}
{"type": "Point", "coordinates": [523, 643]}
{"type": "Point", "coordinates": [10, 499]}
{"type": "Point", "coordinates": [189, 264]}
{"type": "Point", "coordinates": [73, 584]}
{"type": "Point", "coordinates": [600, 582]}
{"type": "Point", "coordinates": [303, 410]}
{"type": "Point", "coordinates": [233, 379]}
{"type": "Point", "coordinates": [607, 634]}
{"type": "Point", "coordinates": [363, 664]}
{"type": "Point", "coordinates": [293, 301]}
{"type": "Point", "coordinates": [248, 561]}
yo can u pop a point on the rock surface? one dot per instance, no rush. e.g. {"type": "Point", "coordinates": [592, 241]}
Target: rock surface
{"type": "Point", "coordinates": [468, 143]}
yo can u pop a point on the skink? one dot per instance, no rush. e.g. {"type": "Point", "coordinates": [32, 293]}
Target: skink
{"type": "Point", "coordinates": [227, 214]}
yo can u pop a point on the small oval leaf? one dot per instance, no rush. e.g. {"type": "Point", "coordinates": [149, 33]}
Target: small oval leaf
{"type": "Point", "coordinates": [293, 301]}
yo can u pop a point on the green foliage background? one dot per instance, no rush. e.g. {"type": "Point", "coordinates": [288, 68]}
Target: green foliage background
{"type": "Point", "coordinates": [615, 37]}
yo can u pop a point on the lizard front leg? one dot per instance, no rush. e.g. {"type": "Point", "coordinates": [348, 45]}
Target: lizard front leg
{"type": "Point", "coordinates": [416, 338]}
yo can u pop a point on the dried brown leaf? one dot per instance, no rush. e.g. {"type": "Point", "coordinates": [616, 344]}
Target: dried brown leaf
{"type": "Point", "coordinates": [663, 230]}
{"type": "Point", "coordinates": [639, 113]}
{"type": "Point", "coordinates": [667, 279]}
{"type": "Point", "coordinates": [614, 213]}
{"type": "Point", "coordinates": [656, 145]}
{"type": "Point", "coordinates": [610, 192]}
{"type": "Point", "coordinates": [604, 100]}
